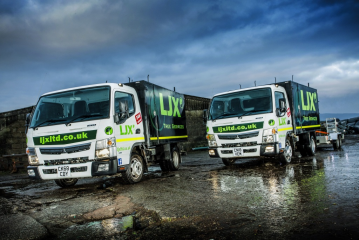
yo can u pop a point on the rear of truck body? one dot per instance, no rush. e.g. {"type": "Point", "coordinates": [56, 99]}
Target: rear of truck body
{"type": "Point", "coordinates": [265, 121]}
{"type": "Point", "coordinates": [105, 129]}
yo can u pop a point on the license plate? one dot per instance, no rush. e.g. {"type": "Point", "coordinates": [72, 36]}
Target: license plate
{"type": "Point", "coordinates": [63, 171]}
{"type": "Point", "coordinates": [237, 152]}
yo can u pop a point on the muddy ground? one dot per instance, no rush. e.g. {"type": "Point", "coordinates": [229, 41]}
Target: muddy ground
{"type": "Point", "coordinates": [315, 198]}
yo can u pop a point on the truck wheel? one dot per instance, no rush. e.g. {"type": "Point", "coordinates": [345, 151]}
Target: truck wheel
{"type": "Point", "coordinates": [311, 148]}
{"type": "Point", "coordinates": [134, 173]}
{"type": "Point", "coordinates": [228, 161]}
{"type": "Point", "coordinates": [286, 156]}
{"type": "Point", "coordinates": [173, 164]}
{"type": "Point", "coordinates": [68, 182]}
{"type": "Point", "coordinates": [337, 144]}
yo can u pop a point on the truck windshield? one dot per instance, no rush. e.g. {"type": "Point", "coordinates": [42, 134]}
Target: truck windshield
{"type": "Point", "coordinates": [72, 106]}
{"type": "Point", "coordinates": [242, 103]}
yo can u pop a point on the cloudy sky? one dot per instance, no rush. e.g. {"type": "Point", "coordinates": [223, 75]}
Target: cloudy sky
{"type": "Point", "coordinates": [199, 47]}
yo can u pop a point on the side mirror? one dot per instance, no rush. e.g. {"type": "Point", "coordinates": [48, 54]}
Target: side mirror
{"type": "Point", "coordinates": [27, 122]}
{"type": "Point", "coordinates": [205, 116]}
{"type": "Point", "coordinates": [282, 108]}
{"type": "Point", "coordinates": [123, 112]}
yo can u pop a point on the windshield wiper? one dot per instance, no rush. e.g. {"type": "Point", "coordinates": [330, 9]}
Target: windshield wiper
{"type": "Point", "coordinates": [224, 115]}
{"type": "Point", "coordinates": [49, 121]}
{"type": "Point", "coordinates": [260, 110]}
{"type": "Point", "coordinates": [84, 116]}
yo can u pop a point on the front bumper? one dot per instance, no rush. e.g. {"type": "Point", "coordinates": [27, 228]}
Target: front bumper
{"type": "Point", "coordinates": [252, 151]}
{"type": "Point", "coordinates": [79, 170]}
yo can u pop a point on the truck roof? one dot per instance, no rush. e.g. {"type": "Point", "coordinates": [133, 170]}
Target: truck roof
{"type": "Point", "coordinates": [243, 89]}
{"type": "Point", "coordinates": [81, 87]}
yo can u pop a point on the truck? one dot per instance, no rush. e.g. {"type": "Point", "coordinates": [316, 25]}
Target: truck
{"type": "Point", "coordinates": [332, 133]}
{"type": "Point", "coordinates": [272, 120]}
{"type": "Point", "coordinates": [105, 129]}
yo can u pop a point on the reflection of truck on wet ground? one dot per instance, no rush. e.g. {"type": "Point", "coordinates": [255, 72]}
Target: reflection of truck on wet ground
{"type": "Point", "coordinates": [105, 129]}
{"type": "Point", "coordinates": [332, 134]}
{"type": "Point", "coordinates": [264, 121]}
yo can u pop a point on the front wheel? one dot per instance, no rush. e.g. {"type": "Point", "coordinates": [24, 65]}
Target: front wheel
{"type": "Point", "coordinates": [134, 172]}
{"type": "Point", "coordinates": [286, 156]}
{"type": "Point", "coordinates": [228, 161]}
{"type": "Point", "coordinates": [67, 182]}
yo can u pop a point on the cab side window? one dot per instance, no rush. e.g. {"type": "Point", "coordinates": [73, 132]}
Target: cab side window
{"type": "Point", "coordinates": [278, 95]}
{"type": "Point", "coordinates": [120, 96]}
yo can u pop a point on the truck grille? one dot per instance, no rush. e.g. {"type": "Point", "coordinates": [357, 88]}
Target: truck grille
{"type": "Point", "coordinates": [71, 149]}
{"type": "Point", "coordinates": [238, 136]}
{"type": "Point", "coordinates": [242, 144]}
{"type": "Point", "coordinates": [66, 161]}
{"type": "Point", "coordinates": [244, 151]}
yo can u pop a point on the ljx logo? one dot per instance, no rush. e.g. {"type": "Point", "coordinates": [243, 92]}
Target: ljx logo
{"type": "Point", "coordinates": [311, 97]}
{"type": "Point", "coordinates": [174, 101]}
{"type": "Point", "coordinates": [128, 129]}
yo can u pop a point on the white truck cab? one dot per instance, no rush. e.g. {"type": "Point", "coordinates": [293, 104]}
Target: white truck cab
{"type": "Point", "coordinates": [262, 122]}
{"type": "Point", "coordinates": [102, 129]}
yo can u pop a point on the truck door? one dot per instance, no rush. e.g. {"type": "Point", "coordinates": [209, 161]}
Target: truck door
{"type": "Point", "coordinates": [284, 119]}
{"type": "Point", "coordinates": [129, 132]}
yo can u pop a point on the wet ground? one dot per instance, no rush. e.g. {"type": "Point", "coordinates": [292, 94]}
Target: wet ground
{"type": "Point", "coordinates": [315, 198]}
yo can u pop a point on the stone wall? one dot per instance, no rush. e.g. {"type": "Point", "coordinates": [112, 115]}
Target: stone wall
{"type": "Point", "coordinates": [196, 128]}
{"type": "Point", "coordinates": [12, 137]}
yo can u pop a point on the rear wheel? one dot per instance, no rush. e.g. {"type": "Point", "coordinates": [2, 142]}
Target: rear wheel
{"type": "Point", "coordinates": [135, 171]}
{"type": "Point", "coordinates": [68, 182]}
{"type": "Point", "coordinates": [311, 148]}
{"type": "Point", "coordinates": [172, 164]}
{"type": "Point", "coordinates": [228, 161]}
{"type": "Point", "coordinates": [176, 159]}
{"type": "Point", "coordinates": [286, 156]}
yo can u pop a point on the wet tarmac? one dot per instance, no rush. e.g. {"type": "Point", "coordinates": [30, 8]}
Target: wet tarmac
{"type": "Point", "coordinates": [313, 197]}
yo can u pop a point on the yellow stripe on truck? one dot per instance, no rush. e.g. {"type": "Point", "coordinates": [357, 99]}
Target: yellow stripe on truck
{"type": "Point", "coordinates": [308, 126]}
{"type": "Point", "coordinates": [284, 129]}
{"type": "Point", "coordinates": [129, 139]}
{"type": "Point", "coordinates": [290, 128]}
{"type": "Point", "coordinates": [169, 137]}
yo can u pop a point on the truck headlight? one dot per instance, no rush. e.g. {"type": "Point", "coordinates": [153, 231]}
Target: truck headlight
{"type": "Point", "coordinates": [32, 157]}
{"type": "Point", "coordinates": [268, 135]}
{"type": "Point", "coordinates": [211, 140]}
{"type": "Point", "coordinates": [268, 139]}
{"type": "Point", "coordinates": [106, 148]}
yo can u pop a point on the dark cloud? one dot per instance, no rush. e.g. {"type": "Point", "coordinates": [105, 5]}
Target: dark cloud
{"type": "Point", "coordinates": [201, 47]}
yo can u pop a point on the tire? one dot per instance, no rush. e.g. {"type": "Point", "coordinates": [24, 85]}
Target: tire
{"type": "Point", "coordinates": [228, 161]}
{"type": "Point", "coordinates": [286, 157]}
{"type": "Point", "coordinates": [311, 148]}
{"type": "Point", "coordinates": [172, 164]}
{"type": "Point", "coordinates": [134, 172]}
{"type": "Point", "coordinates": [338, 143]}
{"type": "Point", "coordinates": [68, 182]}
